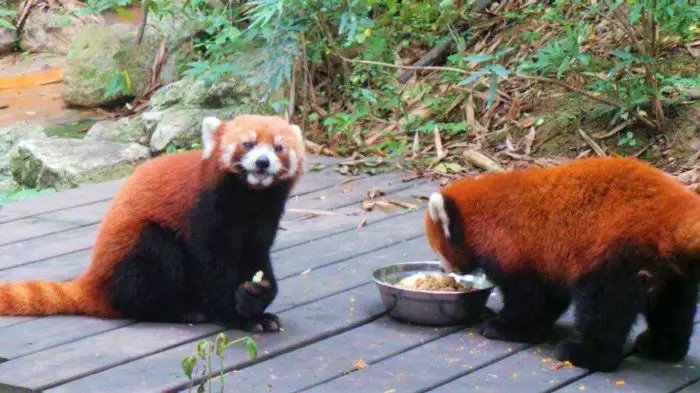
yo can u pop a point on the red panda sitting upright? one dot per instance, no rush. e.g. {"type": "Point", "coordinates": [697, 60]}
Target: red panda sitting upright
{"type": "Point", "coordinates": [615, 236]}
{"type": "Point", "coordinates": [186, 233]}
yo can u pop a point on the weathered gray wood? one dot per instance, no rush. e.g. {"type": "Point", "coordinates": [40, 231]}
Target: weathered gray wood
{"type": "Point", "coordinates": [641, 375]}
{"type": "Point", "coordinates": [295, 291]}
{"type": "Point", "coordinates": [92, 193]}
{"type": "Point", "coordinates": [43, 333]}
{"type": "Point", "coordinates": [692, 388]}
{"type": "Point", "coordinates": [11, 321]}
{"type": "Point", "coordinates": [375, 235]}
{"type": "Point", "coordinates": [50, 223]}
{"type": "Point", "coordinates": [41, 369]}
{"type": "Point", "coordinates": [72, 265]}
{"type": "Point", "coordinates": [350, 273]}
{"type": "Point", "coordinates": [161, 370]}
{"type": "Point", "coordinates": [91, 213]}
{"type": "Point", "coordinates": [535, 368]}
{"type": "Point", "coordinates": [423, 367]}
{"type": "Point", "coordinates": [72, 198]}
{"type": "Point", "coordinates": [38, 248]}
{"type": "Point", "coordinates": [82, 238]}
{"type": "Point", "coordinates": [330, 358]}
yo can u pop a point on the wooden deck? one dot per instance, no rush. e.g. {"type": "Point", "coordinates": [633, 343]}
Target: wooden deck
{"type": "Point", "coordinates": [331, 311]}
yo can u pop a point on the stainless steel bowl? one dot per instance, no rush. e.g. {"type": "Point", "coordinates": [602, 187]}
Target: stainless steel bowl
{"type": "Point", "coordinates": [431, 307]}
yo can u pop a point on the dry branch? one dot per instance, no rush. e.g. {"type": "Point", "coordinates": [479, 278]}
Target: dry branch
{"type": "Point", "coordinates": [480, 160]}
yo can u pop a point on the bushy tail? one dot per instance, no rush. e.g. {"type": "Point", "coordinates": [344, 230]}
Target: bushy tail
{"type": "Point", "coordinates": [38, 298]}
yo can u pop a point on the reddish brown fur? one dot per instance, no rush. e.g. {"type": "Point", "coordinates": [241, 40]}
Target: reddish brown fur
{"type": "Point", "coordinates": [161, 191]}
{"type": "Point", "coordinates": [535, 217]}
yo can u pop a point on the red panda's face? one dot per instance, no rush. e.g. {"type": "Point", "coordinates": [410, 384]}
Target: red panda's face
{"type": "Point", "coordinates": [262, 149]}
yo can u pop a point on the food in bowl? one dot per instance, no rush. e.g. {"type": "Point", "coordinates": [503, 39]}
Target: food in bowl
{"type": "Point", "coordinates": [433, 282]}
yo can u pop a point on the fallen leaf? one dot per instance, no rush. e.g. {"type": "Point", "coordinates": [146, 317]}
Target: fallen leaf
{"type": "Point", "coordinates": [305, 272]}
{"type": "Point", "coordinates": [362, 223]}
{"type": "Point", "coordinates": [359, 363]}
{"type": "Point", "coordinates": [620, 382]}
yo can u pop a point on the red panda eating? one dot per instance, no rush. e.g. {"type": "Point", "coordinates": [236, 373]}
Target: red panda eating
{"type": "Point", "coordinates": [186, 234]}
{"type": "Point", "coordinates": [615, 236]}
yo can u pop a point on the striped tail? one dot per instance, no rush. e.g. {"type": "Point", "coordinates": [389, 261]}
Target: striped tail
{"type": "Point", "coordinates": [39, 298]}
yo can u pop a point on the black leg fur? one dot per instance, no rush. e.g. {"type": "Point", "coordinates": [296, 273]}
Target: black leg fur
{"type": "Point", "coordinates": [530, 309]}
{"type": "Point", "coordinates": [670, 316]}
{"type": "Point", "coordinates": [149, 284]}
{"type": "Point", "coordinates": [607, 304]}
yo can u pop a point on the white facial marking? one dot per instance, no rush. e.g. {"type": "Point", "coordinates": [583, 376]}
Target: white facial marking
{"type": "Point", "coordinates": [436, 209]}
{"type": "Point", "coordinates": [253, 136]}
{"type": "Point", "coordinates": [255, 176]}
{"type": "Point", "coordinates": [227, 154]}
{"type": "Point", "coordinates": [445, 265]}
{"type": "Point", "coordinates": [209, 126]}
{"type": "Point", "coordinates": [293, 164]}
{"type": "Point", "coordinates": [278, 139]}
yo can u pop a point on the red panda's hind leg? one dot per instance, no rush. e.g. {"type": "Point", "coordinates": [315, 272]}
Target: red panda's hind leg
{"type": "Point", "coordinates": [530, 309]}
{"type": "Point", "coordinates": [607, 303]}
{"type": "Point", "coordinates": [149, 283]}
{"type": "Point", "coordinates": [670, 316]}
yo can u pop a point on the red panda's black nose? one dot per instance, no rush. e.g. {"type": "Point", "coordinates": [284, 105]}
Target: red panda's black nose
{"type": "Point", "coordinates": [262, 163]}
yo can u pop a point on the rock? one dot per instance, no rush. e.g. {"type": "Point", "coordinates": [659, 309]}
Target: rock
{"type": "Point", "coordinates": [124, 130]}
{"type": "Point", "coordinates": [12, 135]}
{"type": "Point", "coordinates": [102, 54]}
{"type": "Point", "coordinates": [191, 92]}
{"type": "Point", "coordinates": [53, 32]}
{"type": "Point", "coordinates": [66, 163]}
{"type": "Point", "coordinates": [7, 41]}
{"type": "Point", "coordinates": [180, 126]}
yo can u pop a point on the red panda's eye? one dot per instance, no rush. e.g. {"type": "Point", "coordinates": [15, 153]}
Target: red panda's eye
{"type": "Point", "coordinates": [279, 148]}
{"type": "Point", "coordinates": [248, 145]}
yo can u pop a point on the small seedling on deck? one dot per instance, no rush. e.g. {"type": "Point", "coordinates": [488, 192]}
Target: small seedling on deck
{"type": "Point", "coordinates": [205, 348]}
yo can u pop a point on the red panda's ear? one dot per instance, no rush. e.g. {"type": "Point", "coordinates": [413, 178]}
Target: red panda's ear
{"type": "Point", "coordinates": [209, 126]}
{"type": "Point", "coordinates": [299, 134]}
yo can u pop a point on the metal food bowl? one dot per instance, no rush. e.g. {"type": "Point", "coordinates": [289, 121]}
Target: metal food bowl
{"type": "Point", "coordinates": [432, 307]}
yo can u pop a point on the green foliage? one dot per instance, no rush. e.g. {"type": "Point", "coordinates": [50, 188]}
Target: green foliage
{"type": "Point", "coordinates": [632, 82]}
{"type": "Point", "coordinates": [119, 85]}
{"type": "Point", "coordinates": [6, 16]}
{"type": "Point", "coordinates": [204, 351]}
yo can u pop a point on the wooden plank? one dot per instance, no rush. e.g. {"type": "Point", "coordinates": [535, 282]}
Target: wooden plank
{"type": "Point", "coordinates": [330, 358]}
{"type": "Point", "coordinates": [692, 388]}
{"type": "Point", "coordinates": [641, 375]}
{"type": "Point", "coordinates": [348, 219]}
{"type": "Point", "coordinates": [295, 292]}
{"type": "Point", "coordinates": [83, 195]}
{"type": "Point", "coordinates": [47, 332]}
{"type": "Point", "coordinates": [82, 238]}
{"type": "Point", "coordinates": [535, 368]}
{"type": "Point", "coordinates": [375, 235]}
{"type": "Point", "coordinates": [423, 367]}
{"type": "Point", "coordinates": [69, 362]}
{"type": "Point", "coordinates": [90, 214]}
{"type": "Point", "coordinates": [73, 267]}
{"type": "Point", "coordinates": [11, 321]}
{"type": "Point", "coordinates": [50, 223]}
{"type": "Point", "coordinates": [92, 193]}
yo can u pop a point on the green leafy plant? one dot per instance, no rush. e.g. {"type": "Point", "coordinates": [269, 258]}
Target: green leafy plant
{"type": "Point", "coordinates": [205, 350]}
{"type": "Point", "coordinates": [6, 17]}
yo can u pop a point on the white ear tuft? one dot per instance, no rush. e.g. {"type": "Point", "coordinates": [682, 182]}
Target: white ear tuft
{"type": "Point", "coordinates": [436, 209]}
{"type": "Point", "coordinates": [297, 131]}
{"type": "Point", "coordinates": [209, 126]}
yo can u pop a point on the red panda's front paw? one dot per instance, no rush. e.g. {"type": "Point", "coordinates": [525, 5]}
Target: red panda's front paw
{"type": "Point", "coordinates": [267, 323]}
{"type": "Point", "coordinates": [497, 329]}
{"type": "Point", "coordinates": [253, 298]}
{"type": "Point", "coordinates": [592, 357]}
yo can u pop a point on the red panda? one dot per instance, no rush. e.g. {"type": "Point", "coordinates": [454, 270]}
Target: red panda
{"type": "Point", "coordinates": [186, 233]}
{"type": "Point", "coordinates": [615, 236]}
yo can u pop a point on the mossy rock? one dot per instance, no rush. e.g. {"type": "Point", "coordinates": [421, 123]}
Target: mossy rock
{"type": "Point", "coordinates": [100, 54]}
{"type": "Point", "coordinates": [124, 130]}
{"type": "Point", "coordinates": [67, 163]}
{"type": "Point", "coordinates": [13, 135]}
